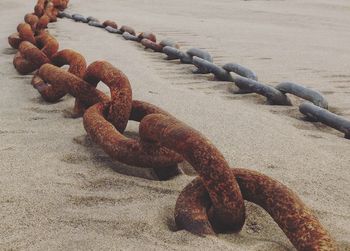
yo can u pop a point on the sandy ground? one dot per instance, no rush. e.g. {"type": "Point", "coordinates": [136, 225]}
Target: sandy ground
{"type": "Point", "coordinates": [59, 191]}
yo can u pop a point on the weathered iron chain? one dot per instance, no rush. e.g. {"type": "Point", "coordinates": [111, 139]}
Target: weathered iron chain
{"type": "Point", "coordinates": [211, 203]}
{"type": "Point", "coordinates": [315, 110]}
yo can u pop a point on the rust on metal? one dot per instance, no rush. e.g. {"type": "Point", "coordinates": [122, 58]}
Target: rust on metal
{"type": "Point", "coordinates": [54, 92]}
{"type": "Point", "coordinates": [22, 65]}
{"type": "Point", "coordinates": [60, 4]}
{"type": "Point", "coordinates": [32, 54]}
{"type": "Point", "coordinates": [228, 211]}
{"type": "Point", "coordinates": [127, 29]}
{"type": "Point", "coordinates": [119, 85]}
{"type": "Point", "coordinates": [43, 22]}
{"type": "Point", "coordinates": [151, 45]}
{"type": "Point", "coordinates": [110, 23]}
{"type": "Point", "coordinates": [86, 93]}
{"type": "Point", "coordinates": [51, 12]}
{"type": "Point", "coordinates": [211, 203]}
{"type": "Point", "coordinates": [32, 20]}
{"type": "Point", "coordinates": [127, 150]}
{"type": "Point", "coordinates": [39, 8]}
{"type": "Point", "coordinates": [147, 35]}
{"type": "Point", "coordinates": [26, 33]}
{"type": "Point", "coordinates": [47, 43]}
{"type": "Point", "coordinates": [296, 220]}
{"type": "Point", "coordinates": [14, 40]}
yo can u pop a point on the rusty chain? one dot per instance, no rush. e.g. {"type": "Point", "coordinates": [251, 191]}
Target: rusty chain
{"type": "Point", "coordinates": [246, 81]}
{"type": "Point", "coordinates": [211, 203]}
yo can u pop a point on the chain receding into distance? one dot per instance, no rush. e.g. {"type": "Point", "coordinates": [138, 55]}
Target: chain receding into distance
{"type": "Point", "coordinates": [214, 201]}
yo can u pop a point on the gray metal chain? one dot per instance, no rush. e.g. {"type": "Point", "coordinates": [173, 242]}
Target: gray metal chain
{"type": "Point", "coordinates": [316, 109]}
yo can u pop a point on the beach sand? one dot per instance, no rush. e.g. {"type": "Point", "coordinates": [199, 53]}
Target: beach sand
{"type": "Point", "coordinates": [60, 191]}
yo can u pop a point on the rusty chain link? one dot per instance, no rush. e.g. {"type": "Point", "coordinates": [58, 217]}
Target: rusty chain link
{"type": "Point", "coordinates": [211, 203]}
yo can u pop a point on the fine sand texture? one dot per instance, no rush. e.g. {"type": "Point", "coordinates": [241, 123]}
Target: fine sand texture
{"type": "Point", "coordinates": [60, 191]}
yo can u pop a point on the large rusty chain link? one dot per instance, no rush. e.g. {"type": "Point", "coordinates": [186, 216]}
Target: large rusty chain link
{"type": "Point", "coordinates": [211, 203]}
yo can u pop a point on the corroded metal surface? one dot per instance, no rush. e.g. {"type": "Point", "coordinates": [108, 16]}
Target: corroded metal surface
{"type": "Point", "coordinates": [211, 203]}
{"type": "Point", "coordinates": [32, 20]}
{"type": "Point", "coordinates": [147, 35]}
{"type": "Point", "coordinates": [75, 86]}
{"type": "Point", "coordinates": [53, 92]}
{"type": "Point", "coordinates": [110, 24]}
{"type": "Point", "coordinates": [151, 45]}
{"type": "Point", "coordinates": [26, 33]}
{"type": "Point", "coordinates": [228, 207]}
{"type": "Point", "coordinates": [296, 220]}
{"type": "Point", "coordinates": [127, 150]}
{"type": "Point", "coordinates": [29, 58]}
{"type": "Point", "coordinates": [14, 40]}
{"type": "Point", "coordinates": [126, 28]}
{"type": "Point", "coordinates": [47, 43]}
{"type": "Point", "coordinates": [119, 85]}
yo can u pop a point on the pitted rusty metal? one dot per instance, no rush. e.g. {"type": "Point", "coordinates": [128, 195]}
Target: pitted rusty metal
{"type": "Point", "coordinates": [43, 22]}
{"type": "Point", "coordinates": [60, 4]}
{"type": "Point", "coordinates": [14, 40]}
{"type": "Point", "coordinates": [319, 114]}
{"type": "Point", "coordinates": [51, 11]}
{"type": "Point", "coordinates": [110, 24]}
{"type": "Point", "coordinates": [29, 58]}
{"type": "Point", "coordinates": [22, 65]}
{"type": "Point", "coordinates": [40, 7]}
{"type": "Point", "coordinates": [105, 123]}
{"type": "Point", "coordinates": [296, 220]}
{"type": "Point", "coordinates": [213, 202]}
{"type": "Point", "coordinates": [47, 43]}
{"type": "Point", "coordinates": [26, 33]}
{"type": "Point", "coordinates": [127, 150]}
{"type": "Point", "coordinates": [228, 207]}
{"type": "Point", "coordinates": [32, 20]}
{"type": "Point", "coordinates": [51, 92]}
{"type": "Point", "coordinates": [76, 61]}
{"type": "Point", "coordinates": [119, 85]}
{"type": "Point", "coordinates": [85, 92]}
{"type": "Point", "coordinates": [147, 35]}
{"type": "Point", "coordinates": [152, 45]}
{"type": "Point", "coordinates": [126, 28]}
{"type": "Point", "coordinates": [304, 93]}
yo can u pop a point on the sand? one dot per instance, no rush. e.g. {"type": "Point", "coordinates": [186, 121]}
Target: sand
{"type": "Point", "coordinates": [59, 191]}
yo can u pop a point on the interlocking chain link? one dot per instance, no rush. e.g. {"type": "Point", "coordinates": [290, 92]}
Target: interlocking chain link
{"type": "Point", "coordinates": [214, 201]}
